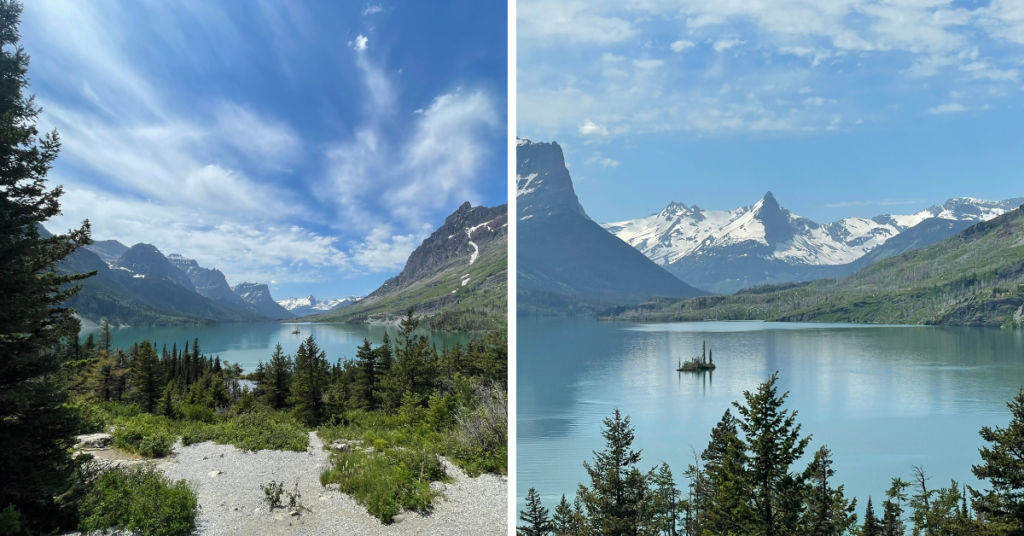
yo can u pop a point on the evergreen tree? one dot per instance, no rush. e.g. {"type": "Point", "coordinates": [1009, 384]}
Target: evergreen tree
{"type": "Point", "coordinates": [385, 354]}
{"type": "Point", "coordinates": [828, 512]}
{"type": "Point", "coordinates": [872, 525]}
{"type": "Point", "coordinates": [615, 499]}
{"type": "Point", "coordinates": [366, 382]}
{"type": "Point", "coordinates": [310, 383]}
{"type": "Point", "coordinates": [166, 405]}
{"type": "Point", "coordinates": [413, 371]}
{"type": "Point", "coordinates": [36, 428]}
{"type": "Point", "coordinates": [274, 384]}
{"type": "Point", "coordinates": [666, 501]}
{"type": "Point", "coordinates": [147, 382]}
{"type": "Point", "coordinates": [535, 517]}
{"type": "Point", "coordinates": [566, 521]}
{"type": "Point", "coordinates": [773, 440]}
{"type": "Point", "coordinates": [105, 337]}
{"type": "Point", "coordinates": [1002, 467]}
{"type": "Point", "coordinates": [892, 511]}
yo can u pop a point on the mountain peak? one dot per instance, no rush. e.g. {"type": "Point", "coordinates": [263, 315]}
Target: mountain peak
{"type": "Point", "coordinates": [543, 184]}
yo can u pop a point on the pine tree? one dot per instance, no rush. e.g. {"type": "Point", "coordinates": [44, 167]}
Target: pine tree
{"type": "Point", "coordinates": [106, 339]}
{"type": "Point", "coordinates": [892, 509]}
{"type": "Point", "coordinates": [274, 384]}
{"type": "Point", "coordinates": [773, 440]}
{"type": "Point", "coordinates": [310, 383]}
{"type": "Point", "coordinates": [366, 382]}
{"type": "Point", "coordinates": [828, 512]}
{"type": "Point", "coordinates": [36, 428]}
{"type": "Point", "coordinates": [666, 501]}
{"type": "Point", "coordinates": [385, 354]}
{"type": "Point", "coordinates": [535, 517]}
{"type": "Point", "coordinates": [1001, 466]}
{"type": "Point", "coordinates": [615, 499]}
{"type": "Point", "coordinates": [872, 525]}
{"type": "Point", "coordinates": [147, 381]}
{"type": "Point", "coordinates": [166, 405]}
{"type": "Point", "coordinates": [565, 522]}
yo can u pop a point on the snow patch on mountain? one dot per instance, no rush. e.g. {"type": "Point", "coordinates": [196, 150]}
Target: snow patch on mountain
{"type": "Point", "coordinates": [310, 305]}
{"type": "Point", "coordinates": [679, 231]}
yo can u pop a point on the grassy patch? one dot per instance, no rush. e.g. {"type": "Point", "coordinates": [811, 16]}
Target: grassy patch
{"type": "Point", "coordinates": [386, 481]}
{"type": "Point", "coordinates": [139, 499]}
{"type": "Point", "coordinates": [263, 430]}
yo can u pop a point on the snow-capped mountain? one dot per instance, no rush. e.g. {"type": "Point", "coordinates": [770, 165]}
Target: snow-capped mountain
{"type": "Point", "coordinates": [258, 294]}
{"type": "Point", "coordinates": [724, 251]}
{"type": "Point", "coordinates": [310, 305]}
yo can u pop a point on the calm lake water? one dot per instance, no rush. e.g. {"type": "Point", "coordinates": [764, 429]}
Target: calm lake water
{"type": "Point", "coordinates": [882, 398]}
{"type": "Point", "coordinates": [247, 344]}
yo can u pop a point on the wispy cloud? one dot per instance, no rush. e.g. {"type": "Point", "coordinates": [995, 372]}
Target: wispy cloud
{"type": "Point", "coordinates": [949, 108]}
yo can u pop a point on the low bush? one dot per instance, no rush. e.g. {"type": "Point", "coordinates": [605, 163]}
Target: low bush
{"type": "Point", "coordinates": [386, 482]}
{"type": "Point", "coordinates": [139, 499]}
{"type": "Point", "coordinates": [146, 435]}
{"type": "Point", "coordinates": [252, 431]}
{"type": "Point", "coordinates": [480, 442]}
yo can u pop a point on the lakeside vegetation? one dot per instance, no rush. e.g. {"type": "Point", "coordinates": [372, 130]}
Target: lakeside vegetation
{"type": "Point", "coordinates": [409, 401]}
{"type": "Point", "coordinates": [746, 482]}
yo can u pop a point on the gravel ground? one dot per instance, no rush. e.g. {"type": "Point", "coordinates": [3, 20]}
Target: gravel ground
{"type": "Point", "coordinates": [228, 484]}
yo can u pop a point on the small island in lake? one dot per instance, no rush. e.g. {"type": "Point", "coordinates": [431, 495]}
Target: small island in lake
{"type": "Point", "coordinates": [296, 332]}
{"type": "Point", "coordinates": [705, 361]}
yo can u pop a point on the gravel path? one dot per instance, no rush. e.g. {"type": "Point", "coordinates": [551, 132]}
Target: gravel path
{"type": "Point", "coordinates": [228, 484]}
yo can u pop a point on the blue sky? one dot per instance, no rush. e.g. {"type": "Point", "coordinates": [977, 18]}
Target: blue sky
{"type": "Point", "coordinates": [840, 108]}
{"type": "Point", "coordinates": [310, 145]}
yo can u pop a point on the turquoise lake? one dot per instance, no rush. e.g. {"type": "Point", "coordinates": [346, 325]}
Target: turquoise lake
{"type": "Point", "coordinates": [882, 398]}
{"type": "Point", "coordinates": [248, 344]}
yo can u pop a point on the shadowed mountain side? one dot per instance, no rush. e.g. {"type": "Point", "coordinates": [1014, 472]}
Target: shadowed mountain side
{"type": "Point", "coordinates": [566, 263]}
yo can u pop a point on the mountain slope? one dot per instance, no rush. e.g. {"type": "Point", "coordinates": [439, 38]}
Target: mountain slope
{"type": "Point", "coordinates": [567, 263]}
{"type": "Point", "coordinates": [724, 251]}
{"type": "Point", "coordinates": [973, 278]}
{"type": "Point", "coordinates": [212, 284]}
{"type": "Point", "coordinates": [258, 296]}
{"type": "Point", "coordinates": [108, 250]}
{"type": "Point", "coordinates": [458, 277]}
{"type": "Point", "coordinates": [311, 306]}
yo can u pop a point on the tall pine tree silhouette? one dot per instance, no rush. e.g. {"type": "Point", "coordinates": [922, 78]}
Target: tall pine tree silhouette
{"type": "Point", "coordinates": [35, 427]}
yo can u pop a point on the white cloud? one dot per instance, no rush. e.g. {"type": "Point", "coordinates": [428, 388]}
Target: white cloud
{"type": "Point", "coordinates": [722, 45]}
{"type": "Point", "coordinates": [589, 128]}
{"type": "Point", "coordinates": [816, 56]}
{"type": "Point", "coordinates": [681, 45]}
{"type": "Point", "coordinates": [359, 43]}
{"type": "Point", "coordinates": [952, 107]}
{"type": "Point", "coordinates": [603, 161]}
{"type": "Point", "coordinates": [258, 137]}
{"type": "Point", "coordinates": [372, 8]}
{"type": "Point", "coordinates": [569, 20]}
{"type": "Point", "coordinates": [383, 250]}
{"type": "Point", "coordinates": [804, 90]}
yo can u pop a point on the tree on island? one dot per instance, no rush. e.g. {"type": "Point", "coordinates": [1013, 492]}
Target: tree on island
{"type": "Point", "coordinates": [36, 428]}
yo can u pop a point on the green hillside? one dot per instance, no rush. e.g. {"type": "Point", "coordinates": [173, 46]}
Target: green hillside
{"type": "Point", "coordinates": [974, 278]}
{"type": "Point", "coordinates": [479, 305]}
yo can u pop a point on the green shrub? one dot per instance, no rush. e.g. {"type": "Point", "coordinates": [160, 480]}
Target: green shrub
{"type": "Point", "coordinates": [197, 413]}
{"type": "Point", "coordinates": [146, 435]}
{"type": "Point", "coordinates": [139, 499]}
{"type": "Point", "coordinates": [10, 521]}
{"type": "Point", "coordinates": [480, 443]}
{"type": "Point", "coordinates": [252, 431]}
{"type": "Point", "coordinates": [386, 482]}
